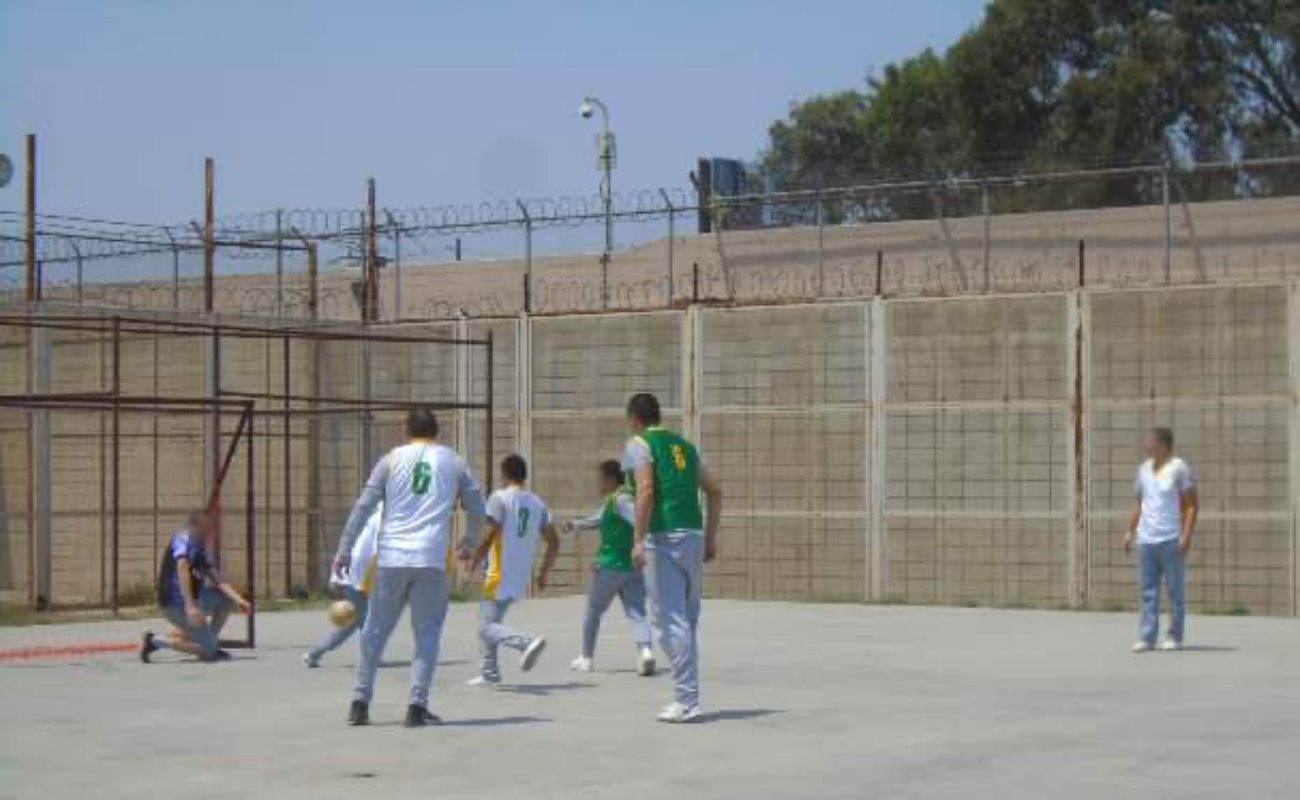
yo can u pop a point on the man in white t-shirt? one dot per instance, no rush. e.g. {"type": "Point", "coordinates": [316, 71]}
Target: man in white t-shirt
{"type": "Point", "coordinates": [419, 484]}
{"type": "Point", "coordinates": [1163, 523]}
{"type": "Point", "coordinates": [351, 585]}
{"type": "Point", "coordinates": [516, 519]}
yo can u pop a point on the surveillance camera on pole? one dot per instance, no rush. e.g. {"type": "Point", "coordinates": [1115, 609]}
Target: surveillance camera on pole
{"type": "Point", "coordinates": [606, 154]}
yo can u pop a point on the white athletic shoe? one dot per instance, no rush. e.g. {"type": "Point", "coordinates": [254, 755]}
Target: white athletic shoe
{"type": "Point", "coordinates": [582, 664]}
{"type": "Point", "coordinates": [1141, 646]}
{"type": "Point", "coordinates": [1171, 644]}
{"type": "Point", "coordinates": [645, 662]}
{"type": "Point", "coordinates": [678, 713]}
{"type": "Point", "coordinates": [483, 683]}
{"type": "Point", "coordinates": [529, 659]}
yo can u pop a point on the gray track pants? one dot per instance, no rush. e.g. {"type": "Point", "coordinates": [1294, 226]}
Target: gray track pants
{"type": "Point", "coordinates": [629, 588]}
{"type": "Point", "coordinates": [425, 589]}
{"type": "Point", "coordinates": [675, 578]}
{"type": "Point", "coordinates": [492, 634]}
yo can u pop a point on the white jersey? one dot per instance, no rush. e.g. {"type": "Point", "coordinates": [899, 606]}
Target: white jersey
{"type": "Point", "coordinates": [1161, 497]}
{"type": "Point", "coordinates": [520, 516]}
{"type": "Point", "coordinates": [363, 552]}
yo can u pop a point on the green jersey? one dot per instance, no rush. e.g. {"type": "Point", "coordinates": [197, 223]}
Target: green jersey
{"type": "Point", "coordinates": [676, 465]}
{"type": "Point", "coordinates": [615, 551]}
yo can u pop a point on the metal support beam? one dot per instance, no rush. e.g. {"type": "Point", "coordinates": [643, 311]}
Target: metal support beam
{"type": "Point", "coordinates": [42, 472]}
{"type": "Point", "coordinates": [672, 236]}
{"type": "Point", "coordinates": [209, 247]}
{"type": "Point", "coordinates": [878, 369]}
{"type": "Point", "coordinates": [33, 284]}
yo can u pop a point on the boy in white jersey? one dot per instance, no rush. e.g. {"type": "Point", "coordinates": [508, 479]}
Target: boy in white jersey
{"type": "Point", "coordinates": [419, 485]}
{"type": "Point", "coordinates": [516, 519]}
{"type": "Point", "coordinates": [1163, 522]}
{"type": "Point", "coordinates": [352, 586]}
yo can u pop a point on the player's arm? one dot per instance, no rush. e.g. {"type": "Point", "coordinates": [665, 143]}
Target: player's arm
{"type": "Point", "coordinates": [552, 551]}
{"type": "Point", "coordinates": [713, 512]}
{"type": "Point", "coordinates": [1191, 503]}
{"type": "Point", "coordinates": [588, 523]}
{"type": "Point", "coordinates": [215, 578]}
{"type": "Point", "coordinates": [471, 499]}
{"type": "Point", "coordinates": [481, 553]}
{"type": "Point", "coordinates": [644, 476]}
{"type": "Point", "coordinates": [372, 494]}
{"type": "Point", "coordinates": [183, 575]}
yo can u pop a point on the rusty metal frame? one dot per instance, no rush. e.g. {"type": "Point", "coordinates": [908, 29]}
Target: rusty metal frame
{"type": "Point", "coordinates": [249, 406]}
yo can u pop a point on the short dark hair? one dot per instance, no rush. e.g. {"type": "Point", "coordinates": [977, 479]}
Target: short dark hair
{"type": "Point", "coordinates": [611, 470]}
{"type": "Point", "coordinates": [1164, 435]}
{"type": "Point", "coordinates": [644, 408]}
{"type": "Point", "coordinates": [422, 423]}
{"type": "Point", "coordinates": [514, 468]}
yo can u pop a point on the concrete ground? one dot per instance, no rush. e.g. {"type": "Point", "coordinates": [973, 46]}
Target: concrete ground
{"type": "Point", "coordinates": [816, 701]}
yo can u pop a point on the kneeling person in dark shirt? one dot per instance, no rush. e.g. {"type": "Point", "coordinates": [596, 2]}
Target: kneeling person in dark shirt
{"type": "Point", "coordinates": [193, 595]}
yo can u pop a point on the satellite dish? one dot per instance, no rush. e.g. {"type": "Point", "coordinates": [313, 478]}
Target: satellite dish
{"type": "Point", "coordinates": [6, 170]}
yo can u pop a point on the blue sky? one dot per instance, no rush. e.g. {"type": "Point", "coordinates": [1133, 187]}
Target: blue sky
{"type": "Point", "coordinates": [442, 102]}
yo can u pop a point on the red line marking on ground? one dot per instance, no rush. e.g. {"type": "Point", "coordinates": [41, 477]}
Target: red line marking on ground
{"type": "Point", "coordinates": [65, 651]}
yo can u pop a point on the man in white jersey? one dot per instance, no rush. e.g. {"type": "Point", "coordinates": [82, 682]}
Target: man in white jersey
{"type": "Point", "coordinates": [419, 485]}
{"type": "Point", "coordinates": [516, 519]}
{"type": "Point", "coordinates": [1163, 522]}
{"type": "Point", "coordinates": [352, 586]}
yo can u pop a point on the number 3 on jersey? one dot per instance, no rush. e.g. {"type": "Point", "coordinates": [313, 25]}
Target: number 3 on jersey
{"type": "Point", "coordinates": [421, 478]}
{"type": "Point", "coordinates": [679, 457]}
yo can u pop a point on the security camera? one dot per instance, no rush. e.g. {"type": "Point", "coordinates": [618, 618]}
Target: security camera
{"type": "Point", "coordinates": [586, 110]}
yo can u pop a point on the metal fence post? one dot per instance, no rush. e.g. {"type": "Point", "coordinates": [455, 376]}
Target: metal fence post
{"type": "Point", "coordinates": [279, 264]}
{"type": "Point", "coordinates": [987, 242]}
{"type": "Point", "coordinates": [672, 219]}
{"type": "Point", "coordinates": [1169, 232]}
{"type": "Point", "coordinates": [528, 254]}
{"type": "Point", "coordinates": [76, 249]}
{"type": "Point", "coordinates": [821, 243]}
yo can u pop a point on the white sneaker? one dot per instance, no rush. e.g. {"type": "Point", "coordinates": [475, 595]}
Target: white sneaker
{"type": "Point", "coordinates": [1171, 644]}
{"type": "Point", "coordinates": [678, 713]}
{"type": "Point", "coordinates": [582, 664]}
{"type": "Point", "coordinates": [310, 662]}
{"type": "Point", "coordinates": [645, 662]}
{"type": "Point", "coordinates": [529, 659]}
{"type": "Point", "coordinates": [483, 683]}
{"type": "Point", "coordinates": [1141, 647]}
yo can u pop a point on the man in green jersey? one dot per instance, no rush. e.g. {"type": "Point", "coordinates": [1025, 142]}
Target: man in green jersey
{"type": "Point", "coordinates": [614, 575]}
{"type": "Point", "coordinates": [672, 540]}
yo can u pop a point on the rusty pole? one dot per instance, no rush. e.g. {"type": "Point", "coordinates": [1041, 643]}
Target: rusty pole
{"type": "Point", "coordinates": [117, 455]}
{"type": "Point", "coordinates": [33, 288]}
{"type": "Point", "coordinates": [288, 475]}
{"type": "Point", "coordinates": [209, 251]}
{"type": "Point", "coordinates": [313, 296]}
{"type": "Point", "coordinates": [250, 521]}
{"type": "Point", "coordinates": [372, 255]}
{"type": "Point", "coordinates": [487, 428]}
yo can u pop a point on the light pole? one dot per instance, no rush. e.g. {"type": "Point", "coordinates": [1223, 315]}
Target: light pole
{"type": "Point", "coordinates": [606, 153]}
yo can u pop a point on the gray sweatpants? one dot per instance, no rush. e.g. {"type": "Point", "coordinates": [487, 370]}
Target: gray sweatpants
{"type": "Point", "coordinates": [675, 579]}
{"type": "Point", "coordinates": [425, 589]}
{"type": "Point", "coordinates": [492, 634]}
{"type": "Point", "coordinates": [629, 588]}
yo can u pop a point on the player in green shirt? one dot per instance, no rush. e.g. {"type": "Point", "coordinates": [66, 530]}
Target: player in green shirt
{"type": "Point", "coordinates": [614, 574]}
{"type": "Point", "coordinates": [672, 538]}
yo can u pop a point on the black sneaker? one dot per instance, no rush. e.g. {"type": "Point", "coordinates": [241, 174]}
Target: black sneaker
{"type": "Point", "coordinates": [221, 655]}
{"type": "Point", "coordinates": [147, 647]}
{"type": "Point", "coordinates": [359, 714]}
{"type": "Point", "coordinates": [419, 716]}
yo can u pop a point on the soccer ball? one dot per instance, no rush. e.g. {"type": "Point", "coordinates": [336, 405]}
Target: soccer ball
{"type": "Point", "coordinates": [342, 613]}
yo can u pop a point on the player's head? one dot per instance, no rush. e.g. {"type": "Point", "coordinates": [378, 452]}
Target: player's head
{"type": "Point", "coordinates": [642, 411]}
{"type": "Point", "coordinates": [610, 476]}
{"type": "Point", "coordinates": [514, 469]}
{"type": "Point", "coordinates": [201, 523]}
{"type": "Point", "coordinates": [422, 423]}
{"type": "Point", "coordinates": [1158, 442]}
